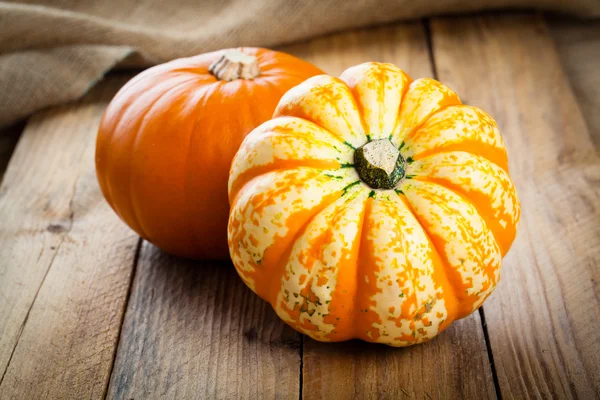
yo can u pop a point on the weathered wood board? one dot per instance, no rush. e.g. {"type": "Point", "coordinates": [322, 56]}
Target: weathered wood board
{"type": "Point", "coordinates": [65, 259]}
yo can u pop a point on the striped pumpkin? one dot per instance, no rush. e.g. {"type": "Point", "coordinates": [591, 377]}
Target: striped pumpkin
{"type": "Point", "coordinates": [372, 206]}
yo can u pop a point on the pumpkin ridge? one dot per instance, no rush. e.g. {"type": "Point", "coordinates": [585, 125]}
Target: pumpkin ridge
{"type": "Point", "coordinates": [397, 114]}
{"type": "Point", "coordinates": [360, 109]}
{"type": "Point", "coordinates": [103, 178]}
{"type": "Point", "coordinates": [462, 299]}
{"type": "Point", "coordinates": [418, 126]}
{"type": "Point", "coordinates": [337, 207]}
{"type": "Point", "coordinates": [477, 145]}
{"type": "Point", "coordinates": [135, 143]}
{"type": "Point", "coordinates": [432, 85]}
{"type": "Point", "coordinates": [260, 170]}
{"type": "Point", "coordinates": [360, 278]}
{"type": "Point", "coordinates": [340, 139]}
{"type": "Point", "coordinates": [317, 141]}
{"type": "Point", "coordinates": [487, 152]}
{"type": "Point", "coordinates": [207, 91]}
{"type": "Point", "coordinates": [465, 197]}
{"type": "Point", "coordinates": [328, 90]}
{"type": "Point", "coordinates": [451, 306]}
{"type": "Point", "coordinates": [284, 257]}
{"type": "Point", "coordinates": [368, 83]}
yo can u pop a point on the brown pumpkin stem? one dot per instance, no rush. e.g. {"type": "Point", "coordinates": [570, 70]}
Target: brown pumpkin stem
{"type": "Point", "coordinates": [234, 64]}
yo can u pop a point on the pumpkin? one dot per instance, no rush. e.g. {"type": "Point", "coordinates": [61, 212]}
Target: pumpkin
{"type": "Point", "coordinates": [166, 142]}
{"type": "Point", "coordinates": [372, 206]}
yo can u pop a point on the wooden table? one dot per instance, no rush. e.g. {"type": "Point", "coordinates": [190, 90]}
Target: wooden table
{"type": "Point", "coordinates": [89, 310]}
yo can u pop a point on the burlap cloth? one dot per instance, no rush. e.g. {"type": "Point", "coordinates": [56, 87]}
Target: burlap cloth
{"type": "Point", "coordinates": [52, 52]}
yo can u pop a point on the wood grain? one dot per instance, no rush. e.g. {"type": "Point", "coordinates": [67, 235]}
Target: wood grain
{"type": "Point", "coordinates": [456, 364]}
{"type": "Point", "coordinates": [195, 331]}
{"type": "Point", "coordinates": [578, 45]}
{"type": "Point", "coordinates": [403, 44]}
{"type": "Point", "coordinates": [65, 259]}
{"type": "Point", "coordinates": [544, 318]}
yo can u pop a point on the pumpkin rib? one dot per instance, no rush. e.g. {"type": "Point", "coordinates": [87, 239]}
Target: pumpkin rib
{"type": "Point", "coordinates": [341, 140]}
{"type": "Point", "coordinates": [314, 140]}
{"type": "Point", "coordinates": [490, 153]}
{"type": "Point", "coordinates": [366, 72]}
{"type": "Point", "coordinates": [121, 112]}
{"type": "Point", "coordinates": [404, 91]}
{"type": "Point", "coordinates": [252, 212]}
{"type": "Point", "coordinates": [347, 273]}
{"type": "Point", "coordinates": [293, 101]}
{"type": "Point", "coordinates": [464, 196]}
{"type": "Point", "coordinates": [495, 153]}
{"type": "Point", "coordinates": [139, 123]}
{"type": "Point", "coordinates": [277, 165]}
{"type": "Point", "coordinates": [318, 237]}
{"type": "Point", "coordinates": [360, 109]}
{"type": "Point", "coordinates": [491, 222]}
{"type": "Point", "coordinates": [285, 255]}
{"type": "Point", "coordinates": [135, 143]}
{"type": "Point", "coordinates": [324, 130]}
{"type": "Point", "coordinates": [458, 281]}
{"type": "Point", "coordinates": [206, 93]}
{"type": "Point", "coordinates": [360, 274]}
{"type": "Point", "coordinates": [397, 114]}
{"type": "Point", "coordinates": [418, 126]}
{"type": "Point", "coordinates": [394, 137]}
{"type": "Point", "coordinates": [450, 294]}
{"type": "Point", "coordinates": [451, 306]}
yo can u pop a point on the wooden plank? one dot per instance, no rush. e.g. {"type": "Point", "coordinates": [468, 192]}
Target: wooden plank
{"type": "Point", "coordinates": [195, 330]}
{"type": "Point", "coordinates": [544, 319]}
{"type": "Point", "coordinates": [578, 45]}
{"type": "Point", "coordinates": [455, 364]}
{"type": "Point", "coordinates": [65, 259]}
{"type": "Point", "coordinates": [402, 44]}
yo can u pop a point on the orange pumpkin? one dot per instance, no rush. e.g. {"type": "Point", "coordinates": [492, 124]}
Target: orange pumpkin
{"type": "Point", "coordinates": [372, 207]}
{"type": "Point", "coordinates": [166, 142]}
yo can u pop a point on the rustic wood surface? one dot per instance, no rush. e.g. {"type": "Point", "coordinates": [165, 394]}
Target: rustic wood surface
{"type": "Point", "coordinates": [578, 46]}
{"type": "Point", "coordinates": [86, 312]}
{"type": "Point", "coordinates": [66, 259]}
{"type": "Point", "coordinates": [195, 330]}
{"type": "Point", "coordinates": [544, 318]}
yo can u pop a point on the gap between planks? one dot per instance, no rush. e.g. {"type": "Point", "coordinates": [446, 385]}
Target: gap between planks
{"type": "Point", "coordinates": [125, 303]}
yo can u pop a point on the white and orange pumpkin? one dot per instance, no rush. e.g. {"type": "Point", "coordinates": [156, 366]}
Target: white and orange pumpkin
{"type": "Point", "coordinates": [372, 207]}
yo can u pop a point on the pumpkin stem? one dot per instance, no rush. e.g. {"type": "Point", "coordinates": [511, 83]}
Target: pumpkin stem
{"type": "Point", "coordinates": [234, 64]}
{"type": "Point", "coordinates": [379, 164]}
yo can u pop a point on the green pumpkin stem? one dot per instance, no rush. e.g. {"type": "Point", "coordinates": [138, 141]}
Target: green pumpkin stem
{"type": "Point", "coordinates": [379, 164]}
